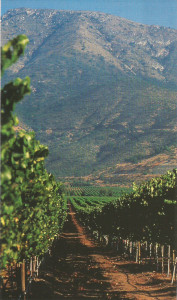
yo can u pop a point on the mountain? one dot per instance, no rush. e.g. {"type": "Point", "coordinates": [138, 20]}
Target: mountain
{"type": "Point", "coordinates": [104, 93]}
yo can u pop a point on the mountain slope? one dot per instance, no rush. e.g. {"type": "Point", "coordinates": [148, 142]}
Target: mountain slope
{"type": "Point", "coordinates": [104, 89]}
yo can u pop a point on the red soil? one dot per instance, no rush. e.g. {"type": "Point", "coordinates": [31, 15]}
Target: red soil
{"type": "Point", "coordinates": [80, 269]}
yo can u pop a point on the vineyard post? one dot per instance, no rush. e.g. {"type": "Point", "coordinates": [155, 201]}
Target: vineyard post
{"type": "Point", "coordinates": [136, 252]}
{"type": "Point", "coordinates": [37, 266]}
{"type": "Point", "coordinates": [128, 244]}
{"type": "Point", "coordinates": [173, 257]}
{"type": "Point", "coordinates": [97, 236]}
{"type": "Point", "coordinates": [150, 251]}
{"type": "Point", "coordinates": [34, 265]}
{"type": "Point", "coordinates": [31, 266]}
{"type": "Point", "coordinates": [23, 286]}
{"type": "Point", "coordinates": [168, 274]}
{"type": "Point", "coordinates": [162, 251]}
{"type": "Point", "coordinates": [131, 248]}
{"type": "Point", "coordinates": [157, 257]}
{"type": "Point", "coordinates": [146, 247]}
{"type": "Point", "coordinates": [124, 246]}
{"type": "Point", "coordinates": [134, 248]}
{"type": "Point", "coordinates": [139, 252]}
{"type": "Point", "coordinates": [107, 240]}
{"type": "Point", "coordinates": [100, 238]}
{"type": "Point", "coordinates": [174, 271]}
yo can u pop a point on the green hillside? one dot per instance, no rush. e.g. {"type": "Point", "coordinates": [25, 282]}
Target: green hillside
{"type": "Point", "coordinates": [104, 89]}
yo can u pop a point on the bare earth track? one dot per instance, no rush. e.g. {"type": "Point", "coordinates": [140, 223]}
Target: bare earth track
{"type": "Point", "coordinates": [80, 269]}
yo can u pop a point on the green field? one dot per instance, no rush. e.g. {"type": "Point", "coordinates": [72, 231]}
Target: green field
{"type": "Point", "coordinates": [97, 191]}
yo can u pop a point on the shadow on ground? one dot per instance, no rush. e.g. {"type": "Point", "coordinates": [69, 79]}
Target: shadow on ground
{"type": "Point", "coordinates": [79, 269]}
{"type": "Point", "coordinates": [70, 272]}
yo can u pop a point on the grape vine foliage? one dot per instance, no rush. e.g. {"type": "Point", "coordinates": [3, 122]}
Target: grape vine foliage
{"type": "Point", "coordinates": [33, 210]}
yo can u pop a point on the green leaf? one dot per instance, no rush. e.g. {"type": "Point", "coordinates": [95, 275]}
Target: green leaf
{"type": "Point", "coordinates": [11, 52]}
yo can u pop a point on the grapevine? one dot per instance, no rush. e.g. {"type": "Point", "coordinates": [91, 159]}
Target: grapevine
{"type": "Point", "coordinates": [33, 210]}
{"type": "Point", "coordinates": [146, 214]}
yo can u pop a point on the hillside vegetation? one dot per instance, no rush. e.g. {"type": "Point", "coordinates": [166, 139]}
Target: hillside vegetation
{"type": "Point", "coordinates": [104, 93]}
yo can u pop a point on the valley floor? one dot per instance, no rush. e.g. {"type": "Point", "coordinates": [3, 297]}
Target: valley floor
{"type": "Point", "coordinates": [78, 268]}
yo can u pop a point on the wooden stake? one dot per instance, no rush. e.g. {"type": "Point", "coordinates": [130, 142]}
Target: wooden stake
{"type": "Point", "coordinates": [150, 250]}
{"type": "Point", "coordinates": [162, 251]}
{"type": "Point", "coordinates": [136, 252]}
{"type": "Point", "coordinates": [146, 247]}
{"type": "Point", "coordinates": [31, 266]}
{"type": "Point", "coordinates": [168, 274]}
{"type": "Point", "coordinates": [174, 271]}
{"type": "Point", "coordinates": [131, 248]}
{"type": "Point", "coordinates": [34, 265]}
{"type": "Point", "coordinates": [174, 257]}
{"type": "Point", "coordinates": [127, 244]}
{"type": "Point", "coordinates": [157, 256]}
{"type": "Point", "coordinates": [139, 252]}
{"type": "Point", "coordinates": [37, 266]}
{"type": "Point", "coordinates": [23, 287]}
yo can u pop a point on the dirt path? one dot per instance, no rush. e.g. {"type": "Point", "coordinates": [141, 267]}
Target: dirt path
{"type": "Point", "coordinates": [79, 269]}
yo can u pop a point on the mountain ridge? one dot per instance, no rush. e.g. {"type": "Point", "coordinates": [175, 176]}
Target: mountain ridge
{"type": "Point", "coordinates": [158, 45]}
{"type": "Point", "coordinates": [104, 88]}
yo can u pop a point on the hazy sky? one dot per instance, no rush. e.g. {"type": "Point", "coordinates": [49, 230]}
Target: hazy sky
{"type": "Point", "coordinates": [152, 12]}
